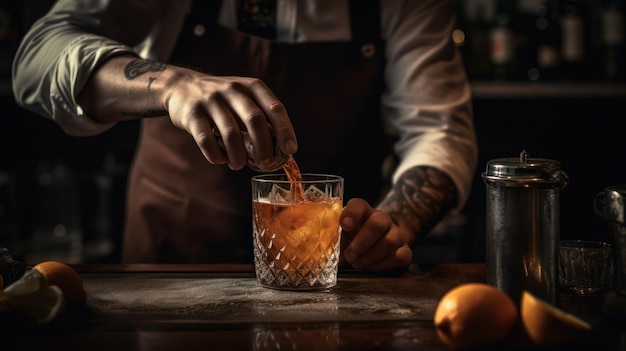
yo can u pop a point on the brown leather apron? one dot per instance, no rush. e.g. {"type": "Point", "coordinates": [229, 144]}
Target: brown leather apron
{"type": "Point", "coordinates": [181, 208]}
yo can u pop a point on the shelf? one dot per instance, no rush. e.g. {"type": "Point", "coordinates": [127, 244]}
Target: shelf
{"type": "Point", "coordinates": [547, 90]}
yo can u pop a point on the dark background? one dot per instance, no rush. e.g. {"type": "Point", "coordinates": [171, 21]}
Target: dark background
{"type": "Point", "coordinates": [577, 120]}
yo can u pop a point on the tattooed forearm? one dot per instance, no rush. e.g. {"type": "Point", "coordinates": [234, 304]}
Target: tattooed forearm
{"type": "Point", "coordinates": [135, 68]}
{"type": "Point", "coordinates": [420, 198]}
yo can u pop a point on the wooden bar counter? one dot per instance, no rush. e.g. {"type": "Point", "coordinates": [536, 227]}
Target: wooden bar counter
{"type": "Point", "coordinates": [221, 307]}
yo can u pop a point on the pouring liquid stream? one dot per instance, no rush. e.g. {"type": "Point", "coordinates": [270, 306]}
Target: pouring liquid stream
{"type": "Point", "coordinates": [295, 179]}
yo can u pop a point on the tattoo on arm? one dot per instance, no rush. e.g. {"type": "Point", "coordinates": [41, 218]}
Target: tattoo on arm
{"type": "Point", "coordinates": [135, 68]}
{"type": "Point", "coordinates": [150, 80]}
{"type": "Point", "coordinates": [420, 198]}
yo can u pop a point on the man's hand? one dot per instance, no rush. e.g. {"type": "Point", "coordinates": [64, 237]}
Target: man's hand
{"type": "Point", "coordinates": [127, 87]}
{"type": "Point", "coordinates": [200, 103]}
{"type": "Point", "coordinates": [381, 238]}
{"type": "Point", "coordinates": [371, 240]}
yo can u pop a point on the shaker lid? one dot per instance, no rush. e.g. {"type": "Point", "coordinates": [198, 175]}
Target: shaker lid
{"type": "Point", "coordinates": [525, 171]}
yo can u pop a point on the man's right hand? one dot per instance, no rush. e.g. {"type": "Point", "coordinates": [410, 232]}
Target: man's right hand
{"type": "Point", "coordinates": [198, 103]}
{"type": "Point", "coordinates": [127, 87]}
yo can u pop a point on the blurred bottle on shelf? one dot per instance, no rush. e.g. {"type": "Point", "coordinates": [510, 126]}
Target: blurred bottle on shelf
{"type": "Point", "coordinates": [101, 190]}
{"type": "Point", "coordinates": [612, 40]}
{"type": "Point", "coordinates": [543, 40]}
{"type": "Point", "coordinates": [502, 43]}
{"type": "Point", "coordinates": [549, 33]}
{"type": "Point", "coordinates": [57, 233]}
{"type": "Point", "coordinates": [8, 211]}
{"type": "Point", "coordinates": [8, 37]}
{"type": "Point", "coordinates": [540, 47]}
{"type": "Point", "coordinates": [474, 21]}
{"type": "Point", "coordinates": [576, 24]}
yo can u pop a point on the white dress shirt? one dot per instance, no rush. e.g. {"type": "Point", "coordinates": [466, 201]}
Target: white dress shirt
{"type": "Point", "coordinates": [427, 98]}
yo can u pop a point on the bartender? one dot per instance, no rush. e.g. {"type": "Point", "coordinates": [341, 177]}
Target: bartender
{"type": "Point", "coordinates": [371, 90]}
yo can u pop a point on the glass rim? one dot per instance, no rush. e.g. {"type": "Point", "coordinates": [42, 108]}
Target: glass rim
{"type": "Point", "coordinates": [281, 178]}
{"type": "Point", "coordinates": [576, 244]}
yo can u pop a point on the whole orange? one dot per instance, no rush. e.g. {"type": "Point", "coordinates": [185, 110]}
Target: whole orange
{"type": "Point", "coordinates": [473, 315]}
{"type": "Point", "coordinates": [65, 277]}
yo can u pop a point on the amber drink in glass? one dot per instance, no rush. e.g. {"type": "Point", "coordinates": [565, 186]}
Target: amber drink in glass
{"type": "Point", "coordinates": [296, 230]}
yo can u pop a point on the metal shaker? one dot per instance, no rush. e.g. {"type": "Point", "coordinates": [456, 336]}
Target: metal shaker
{"type": "Point", "coordinates": [610, 205]}
{"type": "Point", "coordinates": [522, 225]}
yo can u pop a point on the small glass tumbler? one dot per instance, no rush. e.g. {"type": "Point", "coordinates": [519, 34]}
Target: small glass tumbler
{"type": "Point", "coordinates": [585, 266]}
{"type": "Point", "coordinates": [296, 230]}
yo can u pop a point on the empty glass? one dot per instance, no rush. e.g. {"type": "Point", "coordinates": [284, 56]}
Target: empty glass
{"type": "Point", "coordinates": [585, 267]}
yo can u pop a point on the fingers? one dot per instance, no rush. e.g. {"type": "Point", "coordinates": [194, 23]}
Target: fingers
{"type": "Point", "coordinates": [207, 142]}
{"type": "Point", "coordinates": [402, 257]}
{"type": "Point", "coordinates": [215, 130]}
{"type": "Point", "coordinates": [370, 239]}
{"type": "Point", "coordinates": [256, 109]}
{"type": "Point", "coordinates": [355, 211]}
{"type": "Point", "coordinates": [227, 127]}
{"type": "Point", "coordinates": [230, 105]}
{"type": "Point", "coordinates": [251, 112]}
{"type": "Point", "coordinates": [276, 115]}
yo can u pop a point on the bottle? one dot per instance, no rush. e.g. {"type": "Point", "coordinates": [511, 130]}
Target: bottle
{"type": "Point", "coordinates": [612, 40]}
{"type": "Point", "coordinates": [548, 31]}
{"type": "Point", "coordinates": [502, 53]}
{"type": "Point", "coordinates": [8, 39]}
{"type": "Point", "coordinates": [539, 51]}
{"type": "Point", "coordinates": [525, 27]}
{"type": "Point", "coordinates": [575, 39]}
{"type": "Point", "coordinates": [460, 31]}
{"type": "Point", "coordinates": [57, 215]}
{"type": "Point", "coordinates": [478, 16]}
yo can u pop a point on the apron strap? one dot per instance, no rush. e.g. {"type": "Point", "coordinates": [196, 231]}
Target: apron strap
{"type": "Point", "coordinates": [365, 20]}
{"type": "Point", "coordinates": [209, 10]}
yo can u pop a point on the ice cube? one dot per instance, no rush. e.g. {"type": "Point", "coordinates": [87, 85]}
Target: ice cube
{"type": "Point", "coordinates": [314, 194]}
{"type": "Point", "coordinates": [279, 195]}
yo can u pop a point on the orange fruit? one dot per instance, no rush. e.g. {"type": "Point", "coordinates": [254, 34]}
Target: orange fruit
{"type": "Point", "coordinates": [545, 324]}
{"type": "Point", "coordinates": [66, 278]}
{"type": "Point", "coordinates": [474, 314]}
{"type": "Point", "coordinates": [31, 296]}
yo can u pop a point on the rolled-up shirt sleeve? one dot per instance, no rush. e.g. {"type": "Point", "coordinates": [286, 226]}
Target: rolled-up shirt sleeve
{"type": "Point", "coordinates": [56, 58]}
{"type": "Point", "coordinates": [427, 103]}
